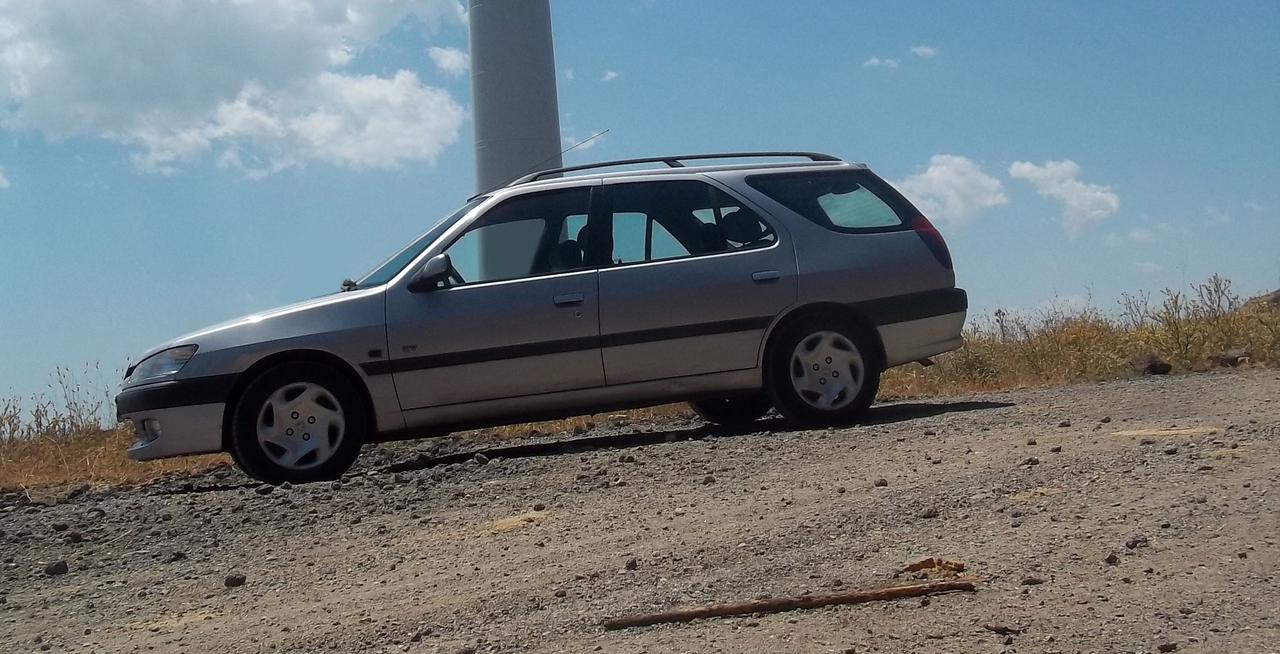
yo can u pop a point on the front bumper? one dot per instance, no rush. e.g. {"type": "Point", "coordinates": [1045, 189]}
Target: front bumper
{"type": "Point", "coordinates": [176, 431]}
{"type": "Point", "coordinates": [175, 418]}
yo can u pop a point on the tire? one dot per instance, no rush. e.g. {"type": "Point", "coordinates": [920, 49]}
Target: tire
{"type": "Point", "coordinates": [245, 466]}
{"type": "Point", "coordinates": [733, 410]}
{"type": "Point", "coordinates": [822, 372]}
{"type": "Point", "coordinates": [298, 422]}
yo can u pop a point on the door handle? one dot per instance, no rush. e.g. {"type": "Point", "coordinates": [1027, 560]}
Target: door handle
{"type": "Point", "coordinates": [766, 276]}
{"type": "Point", "coordinates": [567, 299]}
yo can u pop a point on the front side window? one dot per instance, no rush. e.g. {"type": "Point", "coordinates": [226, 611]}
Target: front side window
{"type": "Point", "coordinates": [391, 267]}
{"type": "Point", "coordinates": [525, 236]}
{"type": "Point", "coordinates": [653, 221]}
{"type": "Point", "coordinates": [844, 200]}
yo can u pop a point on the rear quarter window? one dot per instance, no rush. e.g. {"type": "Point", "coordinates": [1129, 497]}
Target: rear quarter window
{"type": "Point", "coordinates": [840, 200]}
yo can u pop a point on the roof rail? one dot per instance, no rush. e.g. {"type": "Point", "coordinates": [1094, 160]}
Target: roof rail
{"type": "Point", "coordinates": [671, 161]}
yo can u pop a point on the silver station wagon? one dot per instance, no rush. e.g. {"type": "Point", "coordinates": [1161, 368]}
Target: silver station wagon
{"type": "Point", "coordinates": [733, 286]}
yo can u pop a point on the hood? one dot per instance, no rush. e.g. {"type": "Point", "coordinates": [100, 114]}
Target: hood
{"type": "Point", "coordinates": [224, 334]}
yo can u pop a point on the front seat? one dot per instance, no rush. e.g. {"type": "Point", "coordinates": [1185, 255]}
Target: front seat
{"type": "Point", "coordinates": [568, 256]}
{"type": "Point", "coordinates": [596, 249]}
{"type": "Point", "coordinates": [712, 239]}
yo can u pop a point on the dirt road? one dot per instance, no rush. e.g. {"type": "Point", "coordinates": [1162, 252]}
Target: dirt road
{"type": "Point", "coordinates": [1144, 506]}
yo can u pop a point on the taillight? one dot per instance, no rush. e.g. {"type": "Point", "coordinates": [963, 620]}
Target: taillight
{"type": "Point", "coordinates": [929, 234]}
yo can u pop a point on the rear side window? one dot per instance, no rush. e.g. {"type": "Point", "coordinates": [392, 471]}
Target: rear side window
{"type": "Point", "coordinates": [842, 200]}
{"type": "Point", "coordinates": [680, 218]}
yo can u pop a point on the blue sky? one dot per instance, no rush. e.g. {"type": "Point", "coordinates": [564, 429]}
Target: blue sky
{"type": "Point", "coordinates": [166, 166]}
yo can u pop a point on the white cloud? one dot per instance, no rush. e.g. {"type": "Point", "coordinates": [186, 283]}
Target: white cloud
{"type": "Point", "coordinates": [1253, 206]}
{"type": "Point", "coordinates": [451, 61]}
{"type": "Point", "coordinates": [953, 189]}
{"type": "Point", "coordinates": [609, 76]}
{"type": "Point", "coordinates": [260, 84]}
{"type": "Point", "coordinates": [924, 51]}
{"type": "Point", "coordinates": [4, 181]}
{"type": "Point", "coordinates": [1148, 267]}
{"type": "Point", "coordinates": [1216, 216]}
{"type": "Point", "coordinates": [1141, 235]}
{"type": "Point", "coordinates": [1138, 235]}
{"type": "Point", "coordinates": [568, 74]}
{"type": "Point", "coordinates": [356, 121]}
{"type": "Point", "coordinates": [1084, 205]}
{"type": "Point", "coordinates": [877, 62]}
{"type": "Point", "coordinates": [376, 122]}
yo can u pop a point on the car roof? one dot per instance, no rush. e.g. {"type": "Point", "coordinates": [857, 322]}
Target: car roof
{"type": "Point", "coordinates": [674, 166]}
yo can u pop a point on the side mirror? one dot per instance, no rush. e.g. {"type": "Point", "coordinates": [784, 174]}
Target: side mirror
{"type": "Point", "coordinates": [429, 276]}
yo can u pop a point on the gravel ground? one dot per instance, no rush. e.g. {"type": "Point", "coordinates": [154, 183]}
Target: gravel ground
{"type": "Point", "coordinates": [1130, 516]}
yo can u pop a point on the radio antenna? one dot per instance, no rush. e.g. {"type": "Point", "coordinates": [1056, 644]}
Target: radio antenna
{"type": "Point", "coordinates": [534, 167]}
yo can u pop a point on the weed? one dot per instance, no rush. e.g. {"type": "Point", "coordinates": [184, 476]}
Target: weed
{"type": "Point", "coordinates": [1060, 344]}
{"type": "Point", "coordinates": [59, 436]}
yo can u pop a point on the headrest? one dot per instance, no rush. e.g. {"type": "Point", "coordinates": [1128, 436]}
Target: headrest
{"type": "Point", "coordinates": [741, 227]}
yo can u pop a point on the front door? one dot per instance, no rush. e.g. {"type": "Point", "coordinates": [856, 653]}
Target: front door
{"type": "Point", "coordinates": [695, 281]}
{"type": "Point", "coordinates": [522, 320]}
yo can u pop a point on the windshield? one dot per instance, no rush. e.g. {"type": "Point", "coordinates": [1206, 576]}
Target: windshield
{"type": "Point", "coordinates": [391, 267]}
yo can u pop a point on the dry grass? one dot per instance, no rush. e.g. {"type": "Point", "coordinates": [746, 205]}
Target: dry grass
{"type": "Point", "coordinates": [94, 455]}
{"type": "Point", "coordinates": [58, 438]}
{"type": "Point", "coordinates": [1060, 345]}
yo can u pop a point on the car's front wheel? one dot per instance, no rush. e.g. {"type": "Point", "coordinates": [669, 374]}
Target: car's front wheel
{"type": "Point", "coordinates": [298, 422]}
{"type": "Point", "coordinates": [734, 410]}
{"type": "Point", "coordinates": [822, 372]}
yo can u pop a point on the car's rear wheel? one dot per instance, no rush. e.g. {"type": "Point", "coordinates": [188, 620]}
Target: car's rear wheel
{"type": "Point", "coordinates": [733, 410]}
{"type": "Point", "coordinates": [298, 422]}
{"type": "Point", "coordinates": [822, 372]}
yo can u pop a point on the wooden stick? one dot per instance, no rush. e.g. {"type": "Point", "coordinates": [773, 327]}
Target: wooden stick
{"type": "Point", "coordinates": [788, 604]}
{"type": "Point", "coordinates": [1001, 629]}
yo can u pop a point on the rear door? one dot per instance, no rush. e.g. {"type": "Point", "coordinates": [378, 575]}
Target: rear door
{"type": "Point", "coordinates": [696, 278]}
{"type": "Point", "coordinates": [523, 320]}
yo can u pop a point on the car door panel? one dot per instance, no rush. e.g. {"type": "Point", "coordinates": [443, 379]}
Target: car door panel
{"type": "Point", "coordinates": [492, 341]}
{"type": "Point", "coordinates": [689, 316]}
{"type": "Point", "coordinates": [520, 315]}
{"type": "Point", "coordinates": [695, 314]}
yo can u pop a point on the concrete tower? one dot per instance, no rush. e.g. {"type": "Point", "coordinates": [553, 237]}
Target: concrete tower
{"type": "Point", "coordinates": [513, 94]}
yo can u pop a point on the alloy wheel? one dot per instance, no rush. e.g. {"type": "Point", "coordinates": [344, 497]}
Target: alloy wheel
{"type": "Point", "coordinates": [827, 370]}
{"type": "Point", "coordinates": [301, 426]}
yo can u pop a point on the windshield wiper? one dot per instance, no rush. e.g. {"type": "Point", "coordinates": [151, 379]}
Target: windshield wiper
{"type": "Point", "coordinates": [348, 285]}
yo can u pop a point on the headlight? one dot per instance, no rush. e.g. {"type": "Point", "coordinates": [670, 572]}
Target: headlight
{"type": "Point", "coordinates": [163, 364]}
